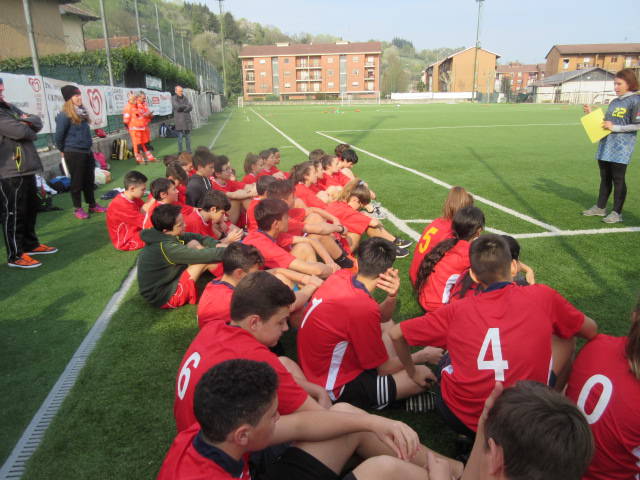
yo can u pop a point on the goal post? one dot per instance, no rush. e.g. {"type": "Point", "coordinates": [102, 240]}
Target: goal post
{"type": "Point", "coordinates": [240, 102]}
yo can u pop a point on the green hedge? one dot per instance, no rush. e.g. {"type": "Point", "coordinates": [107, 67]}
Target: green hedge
{"type": "Point", "coordinates": [93, 66]}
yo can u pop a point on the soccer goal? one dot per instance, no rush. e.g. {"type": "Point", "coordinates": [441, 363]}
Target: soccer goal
{"type": "Point", "coordinates": [240, 102]}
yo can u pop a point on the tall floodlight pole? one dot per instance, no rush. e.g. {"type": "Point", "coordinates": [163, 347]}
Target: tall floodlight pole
{"type": "Point", "coordinates": [32, 39]}
{"type": "Point", "coordinates": [106, 42]}
{"type": "Point", "coordinates": [224, 67]}
{"type": "Point", "coordinates": [158, 28]}
{"type": "Point", "coordinates": [190, 59]}
{"type": "Point", "coordinates": [475, 59]}
{"type": "Point", "coordinates": [173, 42]}
{"type": "Point", "coordinates": [184, 63]}
{"type": "Point", "coordinates": [135, 6]}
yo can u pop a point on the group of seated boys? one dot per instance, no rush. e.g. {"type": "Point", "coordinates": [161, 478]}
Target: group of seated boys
{"type": "Point", "coordinates": [306, 251]}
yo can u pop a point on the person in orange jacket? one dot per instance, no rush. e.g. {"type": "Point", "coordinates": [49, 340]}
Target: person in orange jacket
{"type": "Point", "coordinates": [137, 117]}
{"type": "Point", "coordinates": [147, 115]}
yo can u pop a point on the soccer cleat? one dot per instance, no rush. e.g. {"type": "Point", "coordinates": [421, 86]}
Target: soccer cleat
{"type": "Point", "coordinates": [401, 252]}
{"type": "Point", "coordinates": [344, 261]}
{"type": "Point", "coordinates": [595, 211]}
{"type": "Point", "coordinates": [375, 213]}
{"type": "Point", "coordinates": [402, 243]}
{"type": "Point", "coordinates": [613, 217]}
{"type": "Point", "coordinates": [420, 403]}
{"type": "Point", "coordinates": [80, 213]}
{"type": "Point", "coordinates": [97, 208]}
{"type": "Point", "coordinates": [42, 249]}
{"type": "Point", "coordinates": [25, 261]}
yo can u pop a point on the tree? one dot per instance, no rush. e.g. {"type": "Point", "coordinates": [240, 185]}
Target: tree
{"type": "Point", "coordinates": [394, 77]}
{"type": "Point", "coordinates": [420, 86]}
{"type": "Point", "coordinates": [505, 86]}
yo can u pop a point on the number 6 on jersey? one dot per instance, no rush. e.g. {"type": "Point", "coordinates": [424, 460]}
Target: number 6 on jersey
{"type": "Point", "coordinates": [498, 365]}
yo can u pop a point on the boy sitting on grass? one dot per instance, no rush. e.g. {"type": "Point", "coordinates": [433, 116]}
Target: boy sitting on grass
{"type": "Point", "coordinates": [200, 181]}
{"type": "Point", "coordinates": [271, 158]}
{"type": "Point", "coordinates": [163, 192]}
{"type": "Point", "coordinates": [125, 214]}
{"type": "Point", "coordinates": [238, 193]}
{"type": "Point", "coordinates": [173, 260]}
{"type": "Point", "coordinates": [261, 189]}
{"type": "Point", "coordinates": [208, 218]}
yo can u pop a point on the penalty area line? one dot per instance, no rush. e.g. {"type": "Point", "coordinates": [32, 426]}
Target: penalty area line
{"type": "Point", "coordinates": [455, 127]}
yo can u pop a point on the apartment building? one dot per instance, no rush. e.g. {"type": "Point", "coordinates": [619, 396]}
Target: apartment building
{"type": "Point", "coordinates": [521, 76]}
{"type": "Point", "coordinates": [287, 71]}
{"type": "Point", "coordinates": [610, 56]}
{"type": "Point", "coordinates": [455, 73]}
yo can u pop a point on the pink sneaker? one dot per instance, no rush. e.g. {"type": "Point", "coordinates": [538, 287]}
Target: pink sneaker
{"type": "Point", "coordinates": [80, 213]}
{"type": "Point", "coordinates": [97, 208]}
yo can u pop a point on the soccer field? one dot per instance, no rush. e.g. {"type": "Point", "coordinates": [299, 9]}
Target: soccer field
{"type": "Point", "coordinates": [530, 167]}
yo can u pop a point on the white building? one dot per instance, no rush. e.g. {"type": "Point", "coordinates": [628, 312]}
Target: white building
{"type": "Point", "coordinates": [591, 85]}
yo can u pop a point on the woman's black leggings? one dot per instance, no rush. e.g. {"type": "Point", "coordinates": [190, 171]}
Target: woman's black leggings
{"type": "Point", "coordinates": [612, 176]}
{"type": "Point", "coordinates": [82, 170]}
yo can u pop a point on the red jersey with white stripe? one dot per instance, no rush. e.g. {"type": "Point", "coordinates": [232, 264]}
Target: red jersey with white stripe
{"type": "Point", "coordinates": [604, 388]}
{"type": "Point", "coordinates": [340, 334]}
{"type": "Point", "coordinates": [309, 198]}
{"type": "Point", "coordinates": [190, 458]}
{"type": "Point", "coordinates": [436, 290]}
{"type": "Point", "coordinates": [503, 334]}
{"type": "Point", "coordinates": [194, 223]}
{"type": "Point", "coordinates": [214, 344]}
{"type": "Point", "coordinates": [124, 222]}
{"type": "Point", "coordinates": [433, 234]}
{"type": "Point", "coordinates": [215, 303]}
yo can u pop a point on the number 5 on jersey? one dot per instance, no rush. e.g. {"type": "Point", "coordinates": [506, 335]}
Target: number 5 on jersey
{"type": "Point", "coordinates": [498, 365]}
{"type": "Point", "coordinates": [426, 239]}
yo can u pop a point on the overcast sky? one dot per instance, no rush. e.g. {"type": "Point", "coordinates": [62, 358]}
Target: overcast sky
{"type": "Point", "coordinates": [515, 30]}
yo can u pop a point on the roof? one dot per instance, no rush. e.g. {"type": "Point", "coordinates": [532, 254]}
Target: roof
{"type": "Point", "coordinates": [560, 78]}
{"type": "Point", "coordinates": [519, 68]}
{"type": "Point", "coordinates": [83, 13]}
{"type": "Point", "coordinates": [458, 53]}
{"type": "Point", "coordinates": [309, 49]}
{"type": "Point", "coordinates": [587, 48]}
{"type": "Point", "coordinates": [114, 42]}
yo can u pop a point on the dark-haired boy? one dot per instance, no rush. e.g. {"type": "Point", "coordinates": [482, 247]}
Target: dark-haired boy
{"type": "Point", "coordinates": [506, 333]}
{"type": "Point", "coordinates": [163, 192]}
{"type": "Point", "coordinates": [340, 338]}
{"type": "Point", "coordinates": [260, 307]}
{"type": "Point", "coordinates": [262, 184]}
{"type": "Point", "coordinates": [200, 182]}
{"type": "Point", "coordinates": [125, 216]}
{"type": "Point", "coordinates": [272, 218]}
{"type": "Point", "coordinates": [236, 404]}
{"type": "Point", "coordinates": [239, 194]}
{"type": "Point", "coordinates": [172, 260]}
{"type": "Point", "coordinates": [271, 158]}
{"type": "Point", "coordinates": [208, 218]}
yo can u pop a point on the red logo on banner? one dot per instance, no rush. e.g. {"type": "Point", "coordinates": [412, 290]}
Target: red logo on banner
{"type": "Point", "coordinates": [155, 100]}
{"type": "Point", "coordinates": [35, 84]}
{"type": "Point", "coordinates": [95, 100]}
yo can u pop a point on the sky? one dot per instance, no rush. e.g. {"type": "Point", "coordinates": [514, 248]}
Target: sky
{"type": "Point", "coordinates": [523, 31]}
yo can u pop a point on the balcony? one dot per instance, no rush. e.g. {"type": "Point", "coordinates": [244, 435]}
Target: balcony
{"type": "Point", "coordinates": [370, 65]}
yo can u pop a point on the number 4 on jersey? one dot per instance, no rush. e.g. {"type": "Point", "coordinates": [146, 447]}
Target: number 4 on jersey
{"type": "Point", "coordinates": [498, 365]}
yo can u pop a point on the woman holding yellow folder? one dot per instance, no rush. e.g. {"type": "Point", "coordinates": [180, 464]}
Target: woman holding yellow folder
{"type": "Point", "coordinates": [615, 150]}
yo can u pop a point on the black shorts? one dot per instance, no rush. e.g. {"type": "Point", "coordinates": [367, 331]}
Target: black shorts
{"type": "Point", "coordinates": [370, 390]}
{"type": "Point", "coordinates": [441, 406]}
{"type": "Point", "coordinates": [296, 464]}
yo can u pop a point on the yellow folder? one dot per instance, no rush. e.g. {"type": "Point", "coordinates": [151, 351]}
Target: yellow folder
{"type": "Point", "coordinates": [592, 124]}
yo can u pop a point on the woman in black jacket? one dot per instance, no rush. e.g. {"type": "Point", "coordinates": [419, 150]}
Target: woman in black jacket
{"type": "Point", "coordinates": [73, 139]}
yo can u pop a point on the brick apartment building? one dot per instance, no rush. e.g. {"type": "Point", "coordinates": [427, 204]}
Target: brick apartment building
{"type": "Point", "coordinates": [455, 73]}
{"type": "Point", "coordinates": [311, 71]}
{"type": "Point", "coordinates": [610, 56]}
{"type": "Point", "coordinates": [522, 76]}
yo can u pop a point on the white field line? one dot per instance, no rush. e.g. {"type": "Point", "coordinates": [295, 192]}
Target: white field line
{"type": "Point", "coordinates": [437, 181]}
{"type": "Point", "coordinates": [454, 127]}
{"type": "Point", "coordinates": [32, 436]}
{"type": "Point", "coordinates": [570, 233]}
{"type": "Point", "coordinates": [427, 221]}
{"type": "Point", "coordinates": [289, 139]}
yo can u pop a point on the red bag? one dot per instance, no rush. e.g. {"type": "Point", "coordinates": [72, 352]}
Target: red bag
{"type": "Point", "coordinates": [101, 160]}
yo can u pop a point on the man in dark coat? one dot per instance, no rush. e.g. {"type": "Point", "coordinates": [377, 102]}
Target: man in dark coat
{"type": "Point", "coordinates": [19, 163]}
{"type": "Point", "coordinates": [182, 116]}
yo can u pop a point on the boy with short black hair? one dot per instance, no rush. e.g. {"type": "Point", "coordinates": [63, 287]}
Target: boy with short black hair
{"type": "Point", "coordinates": [271, 160]}
{"type": "Point", "coordinates": [125, 215]}
{"type": "Point", "coordinates": [206, 219]}
{"type": "Point", "coordinates": [238, 193]}
{"type": "Point", "coordinates": [272, 218]}
{"type": "Point", "coordinates": [506, 333]}
{"type": "Point", "coordinates": [163, 192]}
{"type": "Point", "coordinates": [200, 181]}
{"type": "Point", "coordinates": [261, 189]}
{"type": "Point", "coordinates": [173, 260]}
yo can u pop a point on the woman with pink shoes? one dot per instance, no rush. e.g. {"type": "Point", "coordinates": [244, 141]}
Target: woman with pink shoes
{"type": "Point", "coordinates": [73, 139]}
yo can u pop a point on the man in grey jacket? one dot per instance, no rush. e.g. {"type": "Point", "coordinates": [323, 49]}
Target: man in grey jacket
{"type": "Point", "coordinates": [19, 162]}
{"type": "Point", "coordinates": [182, 116]}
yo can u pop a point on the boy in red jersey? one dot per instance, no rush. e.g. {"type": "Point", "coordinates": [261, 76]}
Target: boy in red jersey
{"type": "Point", "coordinates": [236, 404]}
{"type": "Point", "coordinates": [260, 307]}
{"type": "Point", "coordinates": [272, 218]}
{"type": "Point", "coordinates": [271, 158]}
{"type": "Point", "coordinates": [253, 165]}
{"type": "Point", "coordinates": [507, 333]}
{"type": "Point", "coordinates": [163, 192]}
{"type": "Point", "coordinates": [125, 215]}
{"type": "Point", "coordinates": [340, 339]}
{"type": "Point", "coordinates": [208, 218]}
{"type": "Point", "coordinates": [440, 228]}
{"type": "Point", "coordinates": [238, 193]}
{"type": "Point", "coordinates": [605, 384]}
{"type": "Point", "coordinates": [261, 189]}
{"type": "Point", "coordinates": [179, 177]}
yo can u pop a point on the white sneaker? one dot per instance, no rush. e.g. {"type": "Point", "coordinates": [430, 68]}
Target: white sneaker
{"type": "Point", "coordinates": [595, 212]}
{"type": "Point", "coordinates": [613, 217]}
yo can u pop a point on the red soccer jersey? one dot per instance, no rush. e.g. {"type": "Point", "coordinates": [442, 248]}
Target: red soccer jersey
{"type": "Point", "coordinates": [456, 291]}
{"type": "Point", "coordinates": [229, 186]}
{"type": "Point", "coordinates": [353, 220]}
{"type": "Point", "coordinates": [503, 334]}
{"type": "Point", "coordinates": [215, 303]}
{"type": "Point", "coordinates": [604, 388]}
{"type": "Point", "coordinates": [251, 216]}
{"type": "Point", "coordinates": [186, 211]}
{"type": "Point", "coordinates": [249, 178]}
{"type": "Point", "coordinates": [433, 234]}
{"type": "Point", "coordinates": [194, 223]}
{"type": "Point", "coordinates": [339, 179]}
{"type": "Point", "coordinates": [436, 291]}
{"type": "Point", "coordinates": [340, 334]}
{"type": "Point", "coordinates": [272, 171]}
{"type": "Point", "coordinates": [190, 458]}
{"type": "Point", "coordinates": [216, 343]}
{"type": "Point", "coordinates": [124, 223]}
{"type": "Point", "coordinates": [309, 198]}
{"type": "Point", "coordinates": [182, 194]}
{"type": "Point", "coordinates": [274, 255]}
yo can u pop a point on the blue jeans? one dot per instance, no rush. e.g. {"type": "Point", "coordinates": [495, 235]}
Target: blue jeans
{"type": "Point", "coordinates": [187, 137]}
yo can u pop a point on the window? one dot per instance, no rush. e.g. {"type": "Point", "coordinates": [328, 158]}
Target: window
{"type": "Point", "coordinates": [287, 73]}
{"type": "Point", "coordinates": [370, 61]}
{"type": "Point", "coordinates": [329, 84]}
{"type": "Point", "coordinates": [370, 86]}
{"type": "Point", "coordinates": [586, 60]}
{"type": "Point", "coordinates": [565, 63]}
{"type": "Point", "coordinates": [355, 84]}
{"type": "Point", "coordinates": [263, 74]}
{"type": "Point", "coordinates": [627, 61]}
{"type": "Point", "coordinates": [356, 72]}
{"type": "Point", "coordinates": [264, 86]}
{"type": "Point", "coordinates": [249, 64]}
{"type": "Point", "coordinates": [356, 59]}
{"type": "Point", "coordinates": [251, 88]}
{"type": "Point", "coordinates": [329, 72]}
{"type": "Point", "coordinates": [614, 59]}
{"type": "Point", "coordinates": [285, 60]}
{"type": "Point", "coordinates": [302, 87]}
{"type": "Point", "coordinates": [251, 77]}
{"type": "Point", "coordinates": [329, 59]}
{"type": "Point", "coordinates": [519, 74]}
{"type": "Point", "coordinates": [263, 61]}
{"type": "Point", "coordinates": [316, 87]}
{"type": "Point", "coordinates": [287, 85]}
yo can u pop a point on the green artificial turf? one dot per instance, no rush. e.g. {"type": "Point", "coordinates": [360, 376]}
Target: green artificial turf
{"type": "Point", "coordinates": [118, 422]}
